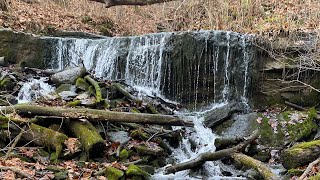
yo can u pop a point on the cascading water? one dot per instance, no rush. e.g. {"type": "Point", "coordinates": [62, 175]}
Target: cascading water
{"type": "Point", "coordinates": [198, 69]}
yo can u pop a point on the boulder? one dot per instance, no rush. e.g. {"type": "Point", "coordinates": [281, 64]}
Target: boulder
{"type": "Point", "coordinates": [68, 76]}
{"type": "Point", "coordinates": [219, 115]}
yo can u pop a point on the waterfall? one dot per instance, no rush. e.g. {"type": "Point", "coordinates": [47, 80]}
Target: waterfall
{"type": "Point", "coordinates": [192, 68]}
{"type": "Point", "coordinates": [200, 70]}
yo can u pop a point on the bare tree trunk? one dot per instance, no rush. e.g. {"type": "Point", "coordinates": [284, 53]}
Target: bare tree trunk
{"type": "Point", "coordinates": [110, 3]}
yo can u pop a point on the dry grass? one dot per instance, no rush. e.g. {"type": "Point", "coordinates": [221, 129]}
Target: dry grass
{"type": "Point", "coordinates": [247, 16]}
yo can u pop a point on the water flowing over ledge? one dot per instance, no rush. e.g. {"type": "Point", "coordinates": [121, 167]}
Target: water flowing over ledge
{"type": "Point", "coordinates": [192, 68]}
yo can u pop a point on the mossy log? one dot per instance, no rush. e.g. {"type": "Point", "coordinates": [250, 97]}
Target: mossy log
{"type": "Point", "coordinates": [210, 156]}
{"type": "Point", "coordinates": [264, 170]}
{"type": "Point", "coordinates": [96, 86]}
{"type": "Point", "coordinates": [89, 137]}
{"type": "Point", "coordinates": [97, 115]}
{"type": "Point", "coordinates": [46, 137]}
{"type": "Point", "coordinates": [300, 154]}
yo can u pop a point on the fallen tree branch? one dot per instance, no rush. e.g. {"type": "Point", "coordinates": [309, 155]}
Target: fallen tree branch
{"type": "Point", "coordinates": [309, 168]}
{"type": "Point", "coordinates": [210, 156]}
{"type": "Point", "coordinates": [264, 170]}
{"type": "Point", "coordinates": [97, 115]}
{"type": "Point", "coordinates": [18, 137]}
{"type": "Point", "coordinates": [110, 3]}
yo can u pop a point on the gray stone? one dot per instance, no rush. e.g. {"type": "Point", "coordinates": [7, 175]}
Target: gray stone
{"type": "Point", "coordinates": [68, 76]}
{"type": "Point", "coordinates": [243, 125]}
{"type": "Point", "coordinates": [65, 87]}
{"type": "Point", "coordinates": [218, 115]}
{"type": "Point", "coordinates": [119, 136]}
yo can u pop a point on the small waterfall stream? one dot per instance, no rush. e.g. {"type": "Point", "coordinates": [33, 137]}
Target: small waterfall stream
{"type": "Point", "coordinates": [200, 70]}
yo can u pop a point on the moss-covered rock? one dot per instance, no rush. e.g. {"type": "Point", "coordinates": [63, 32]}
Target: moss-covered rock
{"type": "Point", "coordinates": [82, 84]}
{"type": "Point", "coordinates": [64, 87]}
{"type": "Point", "coordinates": [285, 127]}
{"type": "Point", "coordinates": [295, 172]}
{"type": "Point", "coordinates": [113, 173]}
{"type": "Point", "coordinates": [124, 154]}
{"type": "Point", "coordinates": [134, 170]}
{"type": "Point", "coordinates": [7, 84]}
{"type": "Point", "coordinates": [300, 154]}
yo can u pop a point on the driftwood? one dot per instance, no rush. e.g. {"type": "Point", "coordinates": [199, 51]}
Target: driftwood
{"type": "Point", "coordinates": [264, 170]}
{"type": "Point", "coordinates": [210, 156]}
{"type": "Point", "coordinates": [97, 115]}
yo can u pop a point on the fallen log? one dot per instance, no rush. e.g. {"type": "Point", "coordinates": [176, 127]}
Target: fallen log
{"type": "Point", "coordinates": [90, 139]}
{"type": "Point", "coordinates": [46, 137]}
{"type": "Point", "coordinates": [259, 166]}
{"type": "Point", "coordinates": [210, 156]}
{"type": "Point", "coordinates": [97, 115]}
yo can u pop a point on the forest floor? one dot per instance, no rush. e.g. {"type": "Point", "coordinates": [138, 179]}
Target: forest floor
{"type": "Point", "coordinates": [261, 17]}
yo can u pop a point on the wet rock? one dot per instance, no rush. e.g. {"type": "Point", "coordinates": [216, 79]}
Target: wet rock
{"type": "Point", "coordinates": [7, 100]}
{"type": "Point", "coordinates": [119, 136]}
{"type": "Point", "coordinates": [147, 150]}
{"type": "Point", "coordinates": [219, 115]}
{"type": "Point", "coordinates": [241, 125]}
{"type": "Point", "coordinates": [3, 61]}
{"type": "Point", "coordinates": [65, 87]}
{"type": "Point", "coordinates": [68, 76]}
{"type": "Point", "coordinates": [147, 168]}
{"type": "Point", "coordinates": [7, 84]}
{"type": "Point", "coordinates": [67, 95]}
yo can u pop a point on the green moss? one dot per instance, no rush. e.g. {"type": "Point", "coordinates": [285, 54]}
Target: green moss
{"type": "Point", "coordinates": [300, 154]}
{"type": "Point", "coordinates": [124, 154]}
{"type": "Point", "coordinates": [139, 134]}
{"type": "Point", "coordinates": [134, 170]}
{"type": "Point", "coordinates": [113, 173]}
{"type": "Point", "coordinates": [316, 177]}
{"type": "Point", "coordinates": [6, 84]}
{"type": "Point", "coordinates": [295, 172]}
{"type": "Point", "coordinates": [303, 130]}
{"type": "Point", "coordinates": [82, 84]}
{"type": "Point", "coordinates": [268, 136]}
{"type": "Point", "coordinates": [74, 103]}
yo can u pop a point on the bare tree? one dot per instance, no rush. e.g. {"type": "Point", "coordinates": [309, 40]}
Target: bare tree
{"type": "Point", "coordinates": [110, 3]}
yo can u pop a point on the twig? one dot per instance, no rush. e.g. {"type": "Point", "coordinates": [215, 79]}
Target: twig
{"type": "Point", "coordinates": [16, 170]}
{"type": "Point", "coordinates": [17, 138]}
{"type": "Point", "coordinates": [309, 168]}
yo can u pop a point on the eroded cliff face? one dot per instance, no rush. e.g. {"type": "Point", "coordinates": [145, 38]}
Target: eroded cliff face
{"type": "Point", "coordinates": [192, 68]}
{"type": "Point", "coordinates": [287, 70]}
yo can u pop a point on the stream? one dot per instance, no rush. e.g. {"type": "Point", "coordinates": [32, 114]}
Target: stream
{"type": "Point", "coordinates": [201, 70]}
